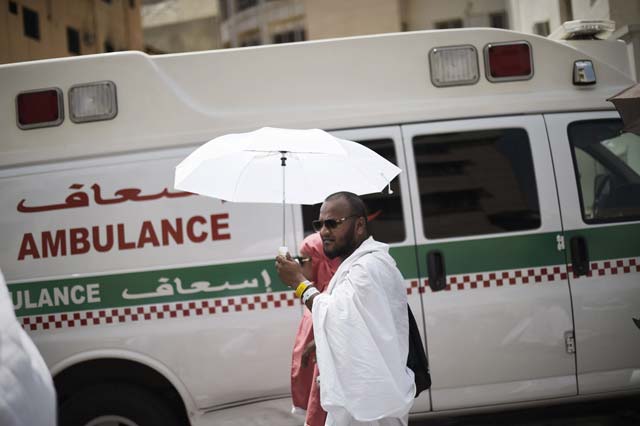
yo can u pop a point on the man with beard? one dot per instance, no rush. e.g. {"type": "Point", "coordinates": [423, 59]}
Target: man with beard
{"type": "Point", "coordinates": [360, 323]}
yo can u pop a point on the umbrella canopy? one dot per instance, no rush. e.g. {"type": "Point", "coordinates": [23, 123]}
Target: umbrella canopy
{"type": "Point", "coordinates": [248, 167]}
{"type": "Point", "coordinates": [287, 166]}
{"type": "Point", "coordinates": [627, 103]}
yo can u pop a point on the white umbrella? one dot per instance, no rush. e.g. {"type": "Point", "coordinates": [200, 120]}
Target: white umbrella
{"type": "Point", "coordinates": [287, 166]}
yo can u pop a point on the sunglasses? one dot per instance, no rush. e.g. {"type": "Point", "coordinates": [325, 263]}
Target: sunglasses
{"type": "Point", "coordinates": [330, 224]}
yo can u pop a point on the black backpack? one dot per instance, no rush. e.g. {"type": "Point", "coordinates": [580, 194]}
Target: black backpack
{"type": "Point", "coordinates": [417, 358]}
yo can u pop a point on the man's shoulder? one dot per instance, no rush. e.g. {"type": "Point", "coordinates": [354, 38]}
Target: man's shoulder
{"type": "Point", "coordinates": [375, 260]}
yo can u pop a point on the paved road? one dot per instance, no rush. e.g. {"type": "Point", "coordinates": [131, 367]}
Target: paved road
{"type": "Point", "coordinates": [619, 412]}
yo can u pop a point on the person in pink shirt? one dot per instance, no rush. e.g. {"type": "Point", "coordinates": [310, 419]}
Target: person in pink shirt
{"type": "Point", "coordinates": [305, 392]}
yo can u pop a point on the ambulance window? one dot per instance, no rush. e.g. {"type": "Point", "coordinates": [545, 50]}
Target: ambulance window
{"type": "Point", "coordinates": [474, 183]}
{"type": "Point", "coordinates": [607, 167]}
{"type": "Point", "coordinates": [385, 210]}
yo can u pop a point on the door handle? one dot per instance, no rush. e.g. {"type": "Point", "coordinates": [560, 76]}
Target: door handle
{"type": "Point", "coordinates": [435, 270]}
{"type": "Point", "coordinates": [579, 256]}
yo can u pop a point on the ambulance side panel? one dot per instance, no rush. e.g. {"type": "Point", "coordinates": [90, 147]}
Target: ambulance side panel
{"type": "Point", "coordinates": [487, 227]}
{"type": "Point", "coordinates": [104, 256]}
{"type": "Point", "coordinates": [598, 172]}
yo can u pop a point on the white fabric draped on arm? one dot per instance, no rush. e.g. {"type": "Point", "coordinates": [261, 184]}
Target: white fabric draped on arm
{"type": "Point", "coordinates": [361, 333]}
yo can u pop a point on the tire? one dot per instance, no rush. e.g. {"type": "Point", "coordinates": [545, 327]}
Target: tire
{"type": "Point", "coordinates": [116, 404]}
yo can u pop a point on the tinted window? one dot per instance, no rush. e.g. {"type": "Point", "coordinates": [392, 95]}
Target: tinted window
{"type": "Point", "coordinates": [386, 222]}
{"type": "Point", "coordinates": [473, 183]}
{"type": "Point", "coordinates": [607, 166]}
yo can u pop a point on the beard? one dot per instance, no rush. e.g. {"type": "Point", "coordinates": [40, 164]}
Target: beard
{"type": "Point", "coordinates": [345, 249]}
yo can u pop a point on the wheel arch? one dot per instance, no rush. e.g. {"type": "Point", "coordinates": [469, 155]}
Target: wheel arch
{"type": "Point", "coordinates": [117, 366]}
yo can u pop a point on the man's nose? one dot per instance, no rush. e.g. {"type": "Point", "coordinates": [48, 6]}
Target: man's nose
{"type": "Point", "coordinates": [324, 231]}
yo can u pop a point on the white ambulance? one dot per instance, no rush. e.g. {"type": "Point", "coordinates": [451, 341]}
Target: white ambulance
{"type": "Point", "coordinates": [515, 221]}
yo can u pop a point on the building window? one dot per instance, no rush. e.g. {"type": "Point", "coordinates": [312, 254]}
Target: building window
{"type": "Point", "coordinates": [289, 36]}
{"type": "Point", "coordinates": [475, 183]}
{"type": "Point", "coordinates": [224, 9]}
{"type": "Point", "coordinates": [607, 169]}
{"type": "Point", "coordinates": [73, 41]}
{"type": "Point", "coordinates": [541, 28]}
{"type": "Point", "coordinates": [245, 4]}
{"type": "Point", "coordinates": [31, 23]}
{"type": "Point", "coordinates": [451, 23]}
{"type": "Point", "coordinates": [386, 220]}
{"type": "Point", "coordinates": [13, 7]}
{"type": "Point", "coordinates": [108, 47]}
{"type": "Point", "coordinates": [498, 20]}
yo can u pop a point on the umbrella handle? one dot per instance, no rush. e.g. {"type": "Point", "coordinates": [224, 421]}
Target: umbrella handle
{"type": "Point", "coordinates": [283, 163]}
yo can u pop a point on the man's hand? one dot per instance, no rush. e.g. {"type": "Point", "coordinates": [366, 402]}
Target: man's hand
{"type": "Point", "coordinates": [289, 270]}
{"type": "Point", "coordinates": [308, 352]}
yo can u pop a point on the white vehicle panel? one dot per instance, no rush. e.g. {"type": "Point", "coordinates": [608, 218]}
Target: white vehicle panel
{"type": "Point", "coordinates": [492, 334]}
{"type": "Point", "coordinates": [605, 301]}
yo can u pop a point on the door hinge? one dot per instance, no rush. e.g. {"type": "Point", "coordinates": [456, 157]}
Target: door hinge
{"type": "Point", "coordinates": [570, 342]}
{"type": "Point", "coordinates": [560, 241]}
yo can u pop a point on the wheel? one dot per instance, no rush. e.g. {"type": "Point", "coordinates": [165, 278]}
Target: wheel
{"type": "Point", "coordinates": [115, 405]}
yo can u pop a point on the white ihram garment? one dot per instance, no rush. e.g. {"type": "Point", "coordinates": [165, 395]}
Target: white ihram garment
{"type": "Point", "coordinates": [27, 395]}
{"type": "Point", "coordinates": [362, 340]}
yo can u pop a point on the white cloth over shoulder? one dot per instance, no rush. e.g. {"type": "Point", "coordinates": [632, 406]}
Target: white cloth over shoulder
{"type": "Point", "coordinates": [361, 331]}
{"type": "Point", "coordinates": [27, 395]}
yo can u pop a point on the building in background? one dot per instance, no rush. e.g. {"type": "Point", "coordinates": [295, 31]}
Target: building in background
{"type": "Point", "coordinates": [542, 17]}
{"type": "Point", "coordinates": [437, 15]}
{"type": "Point", "coordinates": [173, 26]}
{"type": "Point", "coordinates": [256, 22]}
{"type": "Point", "coordinates": [41, 29]}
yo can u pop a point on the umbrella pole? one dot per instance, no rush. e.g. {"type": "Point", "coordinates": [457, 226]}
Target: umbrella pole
{"type": "Point", "coordinates": [283, 163]}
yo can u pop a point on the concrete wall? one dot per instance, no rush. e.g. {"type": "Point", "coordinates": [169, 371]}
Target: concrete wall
{"type": "Point", "coordinates": [340, 18]}
{"type": "Point", "coordinates": [186, 36]}
{"type": "Point", "coordinates": [424, 14]}
{"type": "Point", "coordinates": [591, 9]}
{"type": "Point", "coordinates": [524, 14]}
{"type": "Point", "coordinates": [181, 26]}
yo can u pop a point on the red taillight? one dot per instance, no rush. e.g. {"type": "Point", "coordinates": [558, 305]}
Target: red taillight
{"type": "Point", "coordinates": [39, 108]}
{"type": "Point", "coordinates": [509, 61]}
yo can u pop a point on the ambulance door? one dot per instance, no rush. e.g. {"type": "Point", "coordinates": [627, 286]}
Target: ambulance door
{"type": "Point", "coordinates": [497, 303]}
{"type": "Point", "coordinates": [598, 173]}
{"type": "Point", "coordinates": [390, 217]}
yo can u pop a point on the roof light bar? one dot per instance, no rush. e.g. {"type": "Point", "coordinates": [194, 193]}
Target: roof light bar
{"type": "Point", "coordinates": [454, 66]}
{"type": "Point", "coordinates": [39, 108]}
{"type": "Point", "coordinates": [94, 101]}
{"type": "Point", "coordinates": [510, 61]}
{"type": "Point", "coordinates": [584, 29]}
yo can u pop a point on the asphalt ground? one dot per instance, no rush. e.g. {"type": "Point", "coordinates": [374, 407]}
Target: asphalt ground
{"type": "Point", "coordinates": [610, 412]}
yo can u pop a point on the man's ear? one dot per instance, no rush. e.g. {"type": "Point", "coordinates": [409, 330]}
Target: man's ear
{"type": "Point", "coordinates": [362, 226]}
